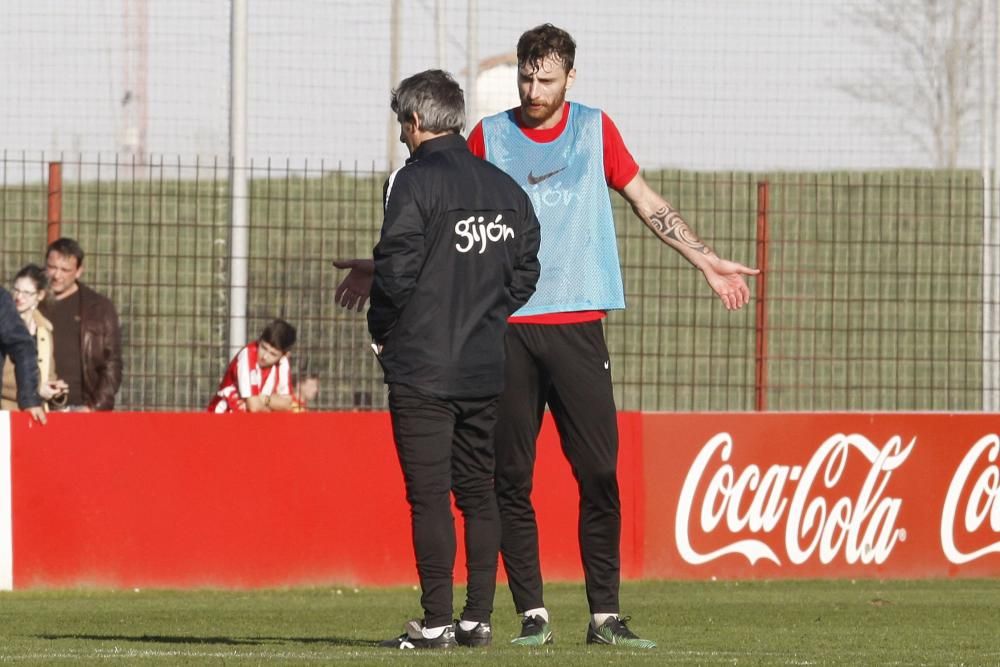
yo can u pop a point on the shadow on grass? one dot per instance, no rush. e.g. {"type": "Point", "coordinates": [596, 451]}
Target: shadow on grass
{"type": "Point", "coordinates": [225, 641]}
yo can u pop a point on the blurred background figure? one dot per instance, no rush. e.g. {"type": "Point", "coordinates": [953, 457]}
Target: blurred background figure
{"type": "Point", "coordinates": [29, 290]}
{"type": "Point", "coordinates": [306, 391]}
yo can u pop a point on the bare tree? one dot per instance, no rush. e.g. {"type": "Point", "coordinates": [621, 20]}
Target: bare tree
{"type": "Point", "coordinates": [927, 78]}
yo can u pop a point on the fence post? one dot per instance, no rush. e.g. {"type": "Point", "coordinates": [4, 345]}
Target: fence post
{"type": "Point", "coordinates": [760, 374]}
{"type": "Point", "coordinates": [55, 202]}
{"type": "Point", "coordinates": [239, 206]}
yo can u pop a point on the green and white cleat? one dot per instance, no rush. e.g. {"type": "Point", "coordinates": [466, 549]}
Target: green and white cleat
{"type": "Point", "coordinates": [614, 632]}
{"type": "Point", "coordinates": [534, 632]}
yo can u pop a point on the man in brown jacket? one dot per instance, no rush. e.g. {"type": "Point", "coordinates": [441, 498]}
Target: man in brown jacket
{"type": "Point", "coordinates": [88, 348]}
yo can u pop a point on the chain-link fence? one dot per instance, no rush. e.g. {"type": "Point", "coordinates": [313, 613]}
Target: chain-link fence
{"type": "Point", "coordinates": [874, 294]}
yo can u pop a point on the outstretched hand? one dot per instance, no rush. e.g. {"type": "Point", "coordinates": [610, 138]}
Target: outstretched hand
{"type": "Point", "coordinates": [726, 279]}
{"type": "Point", "coordinates": [353, 291]}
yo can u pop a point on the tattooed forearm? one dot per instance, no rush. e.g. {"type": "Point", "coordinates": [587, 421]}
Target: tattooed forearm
{"type": "Point", "coordinates": [670, 226]}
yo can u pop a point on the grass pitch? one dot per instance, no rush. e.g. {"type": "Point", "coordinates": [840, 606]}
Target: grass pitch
{"type": "Point", "coordinates": [696, 623]}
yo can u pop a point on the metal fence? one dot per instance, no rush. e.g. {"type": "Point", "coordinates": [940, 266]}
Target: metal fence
{"type": "Point", "coordinates": [874, 295]}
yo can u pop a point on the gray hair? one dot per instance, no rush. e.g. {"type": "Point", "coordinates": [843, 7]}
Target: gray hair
{"type": "Point", "coordinates": [435, 97]}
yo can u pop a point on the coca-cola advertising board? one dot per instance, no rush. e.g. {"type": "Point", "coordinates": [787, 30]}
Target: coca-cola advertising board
{"type": "Point", "coordinates": [821, 495]}
{"type": "Point", "coordinates": [192, 500]}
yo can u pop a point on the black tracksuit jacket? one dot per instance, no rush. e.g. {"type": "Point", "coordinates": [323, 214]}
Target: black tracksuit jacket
{"type": "Point", "coordinates": [458, 253]}
{"type": "Point", "coordinates": [17, 347]}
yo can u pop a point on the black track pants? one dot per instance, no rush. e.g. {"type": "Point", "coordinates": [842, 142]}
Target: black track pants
{"type": "Point", "coordinates": [446, 446]}
{"type": "Point", "coordinates": [567, 367]}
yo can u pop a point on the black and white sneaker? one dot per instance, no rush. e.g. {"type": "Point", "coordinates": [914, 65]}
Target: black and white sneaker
{"type": "Point", "coordinates": [614, 632]}
{"type": "Point", "coordinates": [481, 635]}
{"type": "Point", "coordinates": [414, 638]}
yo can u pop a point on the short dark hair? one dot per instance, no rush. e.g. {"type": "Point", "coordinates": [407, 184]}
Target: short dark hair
{"type": "Point", "coordinates": [546, 40]}
{"type": "Point", "coordinates": [280, 334]}
{"type": "Point", "coordinates": [68, 248]}
{"type": "Point", "coordinates": [35, 274]}
{"type": "Point", "coordinates": [435, 97]}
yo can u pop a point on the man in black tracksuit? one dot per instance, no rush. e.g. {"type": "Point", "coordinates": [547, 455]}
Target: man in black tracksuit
{"type": "Point", "coordinates": [457, 255]}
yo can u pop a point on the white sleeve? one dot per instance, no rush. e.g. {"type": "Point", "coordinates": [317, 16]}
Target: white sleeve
{"type": "Point", "coordinates": [243, 373]}
{"type": "Point", "coordinates": [284, 378]}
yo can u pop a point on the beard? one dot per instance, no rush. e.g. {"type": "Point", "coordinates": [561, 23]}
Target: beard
{"type": "Point", "coordinates": [544, 110]}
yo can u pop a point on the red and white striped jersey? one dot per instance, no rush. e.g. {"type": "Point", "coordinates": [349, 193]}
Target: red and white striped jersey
{"type": "Point", "coordinates": [245, 378]}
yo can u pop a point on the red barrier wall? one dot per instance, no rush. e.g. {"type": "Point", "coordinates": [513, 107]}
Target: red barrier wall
{"type": "Point", "coordinates": [186, 500]}
{"type": "Point", "coordinates": [137, 499]}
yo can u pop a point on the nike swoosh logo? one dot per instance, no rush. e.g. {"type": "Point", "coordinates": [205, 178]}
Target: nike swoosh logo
{"type": "Point", "coordinates": [535, 180]}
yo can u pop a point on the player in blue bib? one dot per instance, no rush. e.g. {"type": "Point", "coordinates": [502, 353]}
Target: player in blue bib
{"type": "Point", "coordinates": [565, 155]}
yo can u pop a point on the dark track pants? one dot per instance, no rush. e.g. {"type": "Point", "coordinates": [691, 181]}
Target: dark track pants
{"type": "Point", "coordinates": [446, 446]}
{"type": "Point", "coordinates": [567, 367]}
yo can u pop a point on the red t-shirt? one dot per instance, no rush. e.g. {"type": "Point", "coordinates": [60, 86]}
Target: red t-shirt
{"type": "Point", "coordinates": [619, 170]}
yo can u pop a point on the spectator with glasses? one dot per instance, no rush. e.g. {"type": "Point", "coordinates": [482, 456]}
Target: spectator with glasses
{"type": "Point", "coordinates": [29, 289]}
